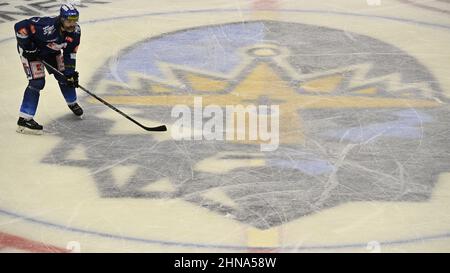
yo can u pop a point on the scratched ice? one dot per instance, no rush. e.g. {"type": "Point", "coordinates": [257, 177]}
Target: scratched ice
{"type": "Point", "coordinates": [364, 125]}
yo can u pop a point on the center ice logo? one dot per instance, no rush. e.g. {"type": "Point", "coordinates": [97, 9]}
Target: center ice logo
{"type": "Point", "coordinates": [359, 120]}
{"type": "Point", "coordinates": [242, 123]}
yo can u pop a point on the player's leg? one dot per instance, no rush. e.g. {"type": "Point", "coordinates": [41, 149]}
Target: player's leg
{"type": "Point", "coordinates": [36, 82]}
{"type": "Point", "coordinates": [68, 92]}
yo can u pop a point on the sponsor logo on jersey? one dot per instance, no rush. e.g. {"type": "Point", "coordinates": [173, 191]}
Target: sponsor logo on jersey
{"type": "Point", "coordinates": [56, 46]}
{"type": "Point", "coordinates": [49, 30]}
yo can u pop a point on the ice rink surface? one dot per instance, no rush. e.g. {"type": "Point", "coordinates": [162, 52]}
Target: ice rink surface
{"type": "Point", "coordinates": [364, 155]}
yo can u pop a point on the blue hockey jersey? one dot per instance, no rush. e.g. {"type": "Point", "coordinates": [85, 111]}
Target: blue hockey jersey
{"type": "Point", "coordinates": [45, 34]}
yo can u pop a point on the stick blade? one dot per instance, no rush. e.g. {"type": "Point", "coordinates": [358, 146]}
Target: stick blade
{"type": "Point", "coordinates": [161, 128]}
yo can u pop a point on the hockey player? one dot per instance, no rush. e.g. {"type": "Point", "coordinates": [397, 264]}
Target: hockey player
{"type": "Point", "coordinates": [54, 40]}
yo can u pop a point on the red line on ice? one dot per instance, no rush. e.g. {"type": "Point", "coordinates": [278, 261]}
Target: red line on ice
{"type": "Point", "coordinates": [16, 242]}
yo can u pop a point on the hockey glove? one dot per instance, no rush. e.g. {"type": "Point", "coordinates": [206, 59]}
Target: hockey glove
{"type": "Point", "coordinates": [72, 79]}
{"type": "Point", "coordinates": [31, 55]}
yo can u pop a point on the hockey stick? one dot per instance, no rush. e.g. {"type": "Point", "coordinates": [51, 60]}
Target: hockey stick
{"type": "Point", "coordinates": [160, 128]}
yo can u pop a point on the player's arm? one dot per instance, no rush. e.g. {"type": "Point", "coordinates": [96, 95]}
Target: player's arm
{"type": "Point", "coordinates": [24, 31]}
{"type": "Point", "coordinates": [70, 56]}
